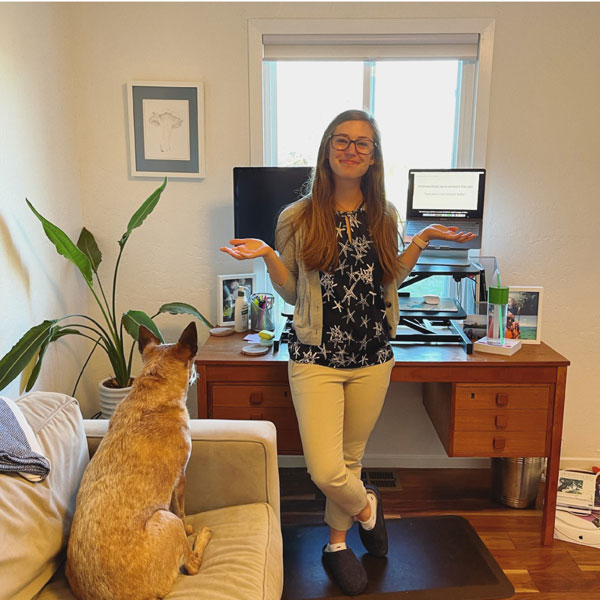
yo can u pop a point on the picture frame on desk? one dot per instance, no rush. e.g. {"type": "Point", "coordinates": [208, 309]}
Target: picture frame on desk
{"type": "Point", "coordinates": [475, 325]}
{"type": "Point", "coordinates": [166, 129]}
{"type": "Point", "coordinates": [227, 289]}
{"type": "Point", "coordinates": [524, 318]}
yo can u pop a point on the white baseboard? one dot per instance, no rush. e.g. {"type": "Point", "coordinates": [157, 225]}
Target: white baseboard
{"type": "Point", "coordinates": [413, 461]}
{"type": "Point", "coordinates": [579, 462]}
{"type": "Point", "coordinates": [401, 461]}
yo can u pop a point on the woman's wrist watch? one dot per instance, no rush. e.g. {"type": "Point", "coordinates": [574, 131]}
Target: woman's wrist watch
{"type": "Point", "coordinates": [419, 242]}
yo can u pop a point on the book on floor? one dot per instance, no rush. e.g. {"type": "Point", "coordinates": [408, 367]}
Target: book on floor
{"type": "Point", "coordinates": [578, 490]}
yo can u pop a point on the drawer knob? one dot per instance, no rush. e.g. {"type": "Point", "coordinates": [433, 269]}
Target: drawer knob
{"type": "Point", "coordinates": [499, 443]}
{"type": "Point", "coordinates": [501, 421]}
{"type": "Point", "coordinates": [255, 398]}
{"type": "Point", "coordinates": [501, 399]}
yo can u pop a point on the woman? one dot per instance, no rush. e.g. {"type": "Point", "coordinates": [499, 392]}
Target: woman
{"type": "Point", "coordinates": [338, 264]}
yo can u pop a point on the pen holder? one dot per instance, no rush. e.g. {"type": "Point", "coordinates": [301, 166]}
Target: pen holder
{"type": "Point", "coordinates": [261, 312]}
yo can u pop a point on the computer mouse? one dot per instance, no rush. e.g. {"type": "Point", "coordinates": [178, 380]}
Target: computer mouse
{"type": "Point", "coordinates": [431, 299]}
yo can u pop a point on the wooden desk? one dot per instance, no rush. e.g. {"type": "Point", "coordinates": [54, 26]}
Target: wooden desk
{"type": "Point", "coordinates": [480, 404]}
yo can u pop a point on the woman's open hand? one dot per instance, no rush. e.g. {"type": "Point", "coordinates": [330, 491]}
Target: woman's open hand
{"type": "Point", "coordinates": [246, 248]}
{"type": "Point", "coordinates": [451, 234]}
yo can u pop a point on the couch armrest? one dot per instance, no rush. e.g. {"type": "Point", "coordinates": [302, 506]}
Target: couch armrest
{"type": "Point", "coordinates": [232, 462]}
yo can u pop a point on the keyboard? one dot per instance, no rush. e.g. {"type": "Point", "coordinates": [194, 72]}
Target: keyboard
{"type": "Point", "coordinates": [413, 227]}
{"type": "Point", "coordinates": [444, 261]}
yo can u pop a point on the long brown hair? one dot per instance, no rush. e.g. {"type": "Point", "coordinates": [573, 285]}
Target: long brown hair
{"type": "Point", "coordinates": [320, 250]}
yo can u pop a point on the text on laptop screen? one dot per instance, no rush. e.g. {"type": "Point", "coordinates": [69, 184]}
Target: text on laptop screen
{"type": "Point", "coordinates": [446, 193]}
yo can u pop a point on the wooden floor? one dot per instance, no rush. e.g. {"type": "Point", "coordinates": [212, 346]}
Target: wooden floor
{"type": "Point", "coordinates": [563, 571]}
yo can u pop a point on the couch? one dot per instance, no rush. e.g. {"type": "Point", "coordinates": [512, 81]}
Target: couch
{"type": "Point", "coordinates": [232, 487]}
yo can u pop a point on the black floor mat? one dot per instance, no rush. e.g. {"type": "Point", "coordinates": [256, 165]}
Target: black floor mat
{"type": "Point", "coordinates": [430, 558]}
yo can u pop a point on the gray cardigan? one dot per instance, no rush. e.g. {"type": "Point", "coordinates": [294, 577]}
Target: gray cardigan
{"type": "Point", "coordinates": [303, 287]}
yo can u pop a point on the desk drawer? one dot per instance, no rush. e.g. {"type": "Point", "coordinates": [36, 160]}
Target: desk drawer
{"type": "Point", "coordinates": [251, 395]}
{"type": "Point", "coordinates": [282, 417]}
{"type": "Point", "coordinates": [500, 420]}
{"type": "Point", "coordinates": [288, 441]}
{"type": "Point", "coordinates": [535, 397]}
{"type": "Point", "coordinates": [490, 443]}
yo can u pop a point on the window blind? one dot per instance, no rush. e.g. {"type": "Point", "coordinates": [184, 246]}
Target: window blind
{"type": "Point", "coordinates": [370, 46]}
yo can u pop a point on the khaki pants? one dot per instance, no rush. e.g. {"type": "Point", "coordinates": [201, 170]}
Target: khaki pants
{"type": "Point", "coordinates": [337, 410]}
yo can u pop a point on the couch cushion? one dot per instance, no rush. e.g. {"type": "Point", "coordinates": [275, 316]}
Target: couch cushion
{"type": "Point", "coordinates": [243, 560]}
{"type": "Point", "coordinates": [35, 518]}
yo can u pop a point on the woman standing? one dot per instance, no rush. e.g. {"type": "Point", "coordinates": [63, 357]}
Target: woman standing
{"type": "Point", "coordinates": [338, 264]}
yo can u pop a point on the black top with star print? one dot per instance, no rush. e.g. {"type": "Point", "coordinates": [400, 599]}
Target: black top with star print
{"type": "Point", "coordinates": [354, 324]}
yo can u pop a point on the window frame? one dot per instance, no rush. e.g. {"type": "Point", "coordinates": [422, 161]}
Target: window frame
{"type": "Point", "coordinates": [477, 104]}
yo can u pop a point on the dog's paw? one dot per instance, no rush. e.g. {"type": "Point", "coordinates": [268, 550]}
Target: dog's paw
{"type": "Point", "coordinates": [202, 539]}
{"type": "Point", "coordinates": [189, 529]}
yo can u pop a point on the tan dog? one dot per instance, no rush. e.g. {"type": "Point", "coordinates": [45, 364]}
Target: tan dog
{"type": "Point", "coordinates": [128, 538]}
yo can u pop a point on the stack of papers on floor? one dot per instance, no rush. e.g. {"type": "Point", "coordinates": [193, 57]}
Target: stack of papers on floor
{"type": "Point", "coordinates": [578, 492]}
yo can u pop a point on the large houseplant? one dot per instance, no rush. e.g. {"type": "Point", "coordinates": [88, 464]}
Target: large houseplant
{"type": "Point", "coordinates": [109, 331]}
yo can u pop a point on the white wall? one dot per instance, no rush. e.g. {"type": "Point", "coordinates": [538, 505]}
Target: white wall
{"type": "Point", "coordinates": [38, 161]}
{"type": "Point", "coordinates": [542, 217]}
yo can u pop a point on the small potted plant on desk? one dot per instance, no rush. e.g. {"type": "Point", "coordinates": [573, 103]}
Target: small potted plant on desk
{"type": "Point", "coordinates": [107, 333]}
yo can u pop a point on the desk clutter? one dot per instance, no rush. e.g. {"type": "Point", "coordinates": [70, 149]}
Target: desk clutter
{"type": "Point", "coordinates": [221, 331]}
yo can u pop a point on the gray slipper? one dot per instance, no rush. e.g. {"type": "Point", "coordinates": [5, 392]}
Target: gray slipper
{"type": "Point", "coordinates": [347, 571]}
{"type": "Point", "coordinates": [375, 540]}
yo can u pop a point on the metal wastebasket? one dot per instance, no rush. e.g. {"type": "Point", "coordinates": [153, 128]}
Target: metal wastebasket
{"type": "Point", "coordinates": [515, 481]}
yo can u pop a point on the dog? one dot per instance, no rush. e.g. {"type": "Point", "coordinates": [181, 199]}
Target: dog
{"type": "Point", "coordinates": [128, 536]}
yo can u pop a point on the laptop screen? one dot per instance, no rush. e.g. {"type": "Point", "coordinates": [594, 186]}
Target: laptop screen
{"type": "Point", "coordinates": [445, 193]}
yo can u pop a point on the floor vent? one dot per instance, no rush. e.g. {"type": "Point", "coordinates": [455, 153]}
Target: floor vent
{"type": "Point", "coordinates": [383, 480]}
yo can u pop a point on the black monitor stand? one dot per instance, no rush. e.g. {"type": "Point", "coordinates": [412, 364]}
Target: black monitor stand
{"type": "Point", "coordinates": [424, 327]}
{"type": "Point", "coordinates": [435, 326]}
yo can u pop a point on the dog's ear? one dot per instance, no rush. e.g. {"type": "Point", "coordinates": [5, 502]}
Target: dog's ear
{"type": "Point", "coordinates": [188, 342]}
{"type": "Point", "coordinates": [145, 337]}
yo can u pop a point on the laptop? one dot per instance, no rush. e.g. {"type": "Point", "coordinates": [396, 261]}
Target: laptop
{"type": "Point", "coordinates": [450, 197]}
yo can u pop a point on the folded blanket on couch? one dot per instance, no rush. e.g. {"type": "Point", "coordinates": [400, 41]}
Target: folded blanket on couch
{"type": "Point", "coordinates": [20, 451]}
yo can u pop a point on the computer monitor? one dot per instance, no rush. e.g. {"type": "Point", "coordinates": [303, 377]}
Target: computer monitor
{"type": "Point", "coordinates": [456, 193]}
{"type": "Point", "coordinates": [259, 195]}
{"type": "Point", "coordinates": [447, 196]}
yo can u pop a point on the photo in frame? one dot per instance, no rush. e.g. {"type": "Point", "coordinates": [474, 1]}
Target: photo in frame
{"type": "Point", "coordinates": [166, 129]}
{"type": "Point", "coordinates": [475, 325]}
{"type": "Point", "coordinates": [524, 315]}
{"type": "Point", "coordinates": [227, 291]}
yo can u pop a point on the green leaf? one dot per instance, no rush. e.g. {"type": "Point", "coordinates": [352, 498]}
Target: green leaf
{"type": "Point", "coordinates": [58, 333]}
{"type": "Point", "coordinates": [30, 374]}
{"type": "Point", "coordinates": [132, 320]}
{"type": "Point", "coordinates": [142, 212]}
{"type": "Point", "coordinates": [65, 246]}
{"type": "Point", "coordinates": [28, 370]}
{"type": "Point", "coordinates": [35, 371]}
{"type": "Point", "coordinates": [87, 244]}
{"type": "Point", "coordinates": [20, 355]}
{"type": "Point", "coordinates": [180, 308]}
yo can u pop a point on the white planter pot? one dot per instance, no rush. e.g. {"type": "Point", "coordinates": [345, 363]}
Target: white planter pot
{"type": "Point", "coordinates": [110, 397]}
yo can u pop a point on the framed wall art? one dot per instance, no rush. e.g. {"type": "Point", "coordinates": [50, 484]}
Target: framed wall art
{"type": "Point", "coordinates": [166, 129]}
{"type": "Point", "coordinates": [524, 317]}
{"type": "Point", "coordinates": [227, 291]}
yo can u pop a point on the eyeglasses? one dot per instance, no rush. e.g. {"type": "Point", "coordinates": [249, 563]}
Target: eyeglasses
{"type": "Point", "coordinates": [342, 142]}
